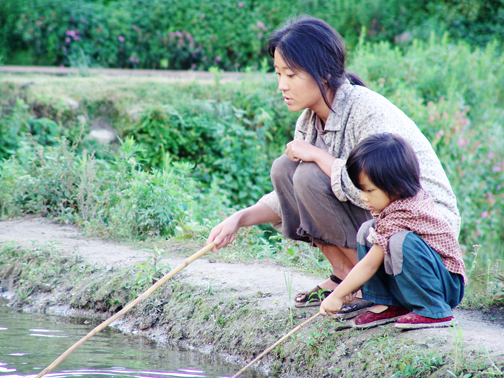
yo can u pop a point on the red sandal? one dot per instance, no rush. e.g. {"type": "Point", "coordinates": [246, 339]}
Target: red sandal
{"type": "Point", "coordinates": [415, 321]}
{"type": "Point", "coordinates": [371, 319]}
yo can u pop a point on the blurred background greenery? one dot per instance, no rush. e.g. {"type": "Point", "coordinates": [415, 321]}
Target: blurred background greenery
{"type": "Point", "coordinates": [192, 151]}
{"type": "Point", "coordinates": [230, 34]}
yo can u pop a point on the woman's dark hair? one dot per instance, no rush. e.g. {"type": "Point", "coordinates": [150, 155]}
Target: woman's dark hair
{"type": "Point", "coordinates": [389, 162]}
{"type": "Point", "coordinates": [311, 45]}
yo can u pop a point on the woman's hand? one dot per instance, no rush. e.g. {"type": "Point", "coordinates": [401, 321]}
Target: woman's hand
{"type": "Point", "coordinates": [224, 233]}
{"type": "Point", "coordinates": [298, 150]}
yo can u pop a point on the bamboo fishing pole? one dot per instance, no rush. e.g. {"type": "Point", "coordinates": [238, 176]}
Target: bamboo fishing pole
{"type": "Point", "coordinates": [273, 346]}
{"type": "Point", "coordinates": [128, 307]}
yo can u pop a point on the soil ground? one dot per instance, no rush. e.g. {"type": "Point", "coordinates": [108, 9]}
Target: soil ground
{"type": "Point", "coordinates": [479, 328]}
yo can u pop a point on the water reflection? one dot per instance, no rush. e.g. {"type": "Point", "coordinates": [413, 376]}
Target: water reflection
{"type": "Point", "coordinates": [30, 342]}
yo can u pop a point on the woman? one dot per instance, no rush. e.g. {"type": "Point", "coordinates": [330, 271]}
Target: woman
{"type": "Point", "coordinates": [313, 199]}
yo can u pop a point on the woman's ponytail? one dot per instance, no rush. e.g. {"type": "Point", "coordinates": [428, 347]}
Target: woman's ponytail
{"type": "Point", "coordinates": [354, 79]}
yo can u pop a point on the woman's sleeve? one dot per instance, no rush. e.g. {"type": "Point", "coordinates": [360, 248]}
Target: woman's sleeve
{"type": "Point", "coordinates": [342, 186]}
{"type": "Point", "coordinates": [366, 120]}
{"type": "Point", "coordinates": [271, 200]}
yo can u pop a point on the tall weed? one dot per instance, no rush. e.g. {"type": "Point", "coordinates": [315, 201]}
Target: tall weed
{"type": "Point", "coordinates": [117, 198]}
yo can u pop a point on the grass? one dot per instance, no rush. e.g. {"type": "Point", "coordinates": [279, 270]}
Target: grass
{"type": "Point", "coordinates": [462, 115]}
{"type": "Point", "coordinates": [234, 324]}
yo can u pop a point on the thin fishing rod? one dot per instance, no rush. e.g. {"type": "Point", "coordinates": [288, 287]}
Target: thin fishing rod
{"type": "Point", "coordinates": [269, 349]}
{"type": "Point", "coordinates": [128, 307]}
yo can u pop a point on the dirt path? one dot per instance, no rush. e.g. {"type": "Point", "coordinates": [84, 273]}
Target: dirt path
{"type": "Point", "coordinates": [175, 74]}
{"type": "Point", "coordinates": [477, 327]}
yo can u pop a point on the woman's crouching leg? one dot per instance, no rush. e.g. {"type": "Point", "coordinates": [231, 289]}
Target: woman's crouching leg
{"type": "Point", "coordinates": [282, 173]}
{"type": "Point", "coordinates": [322, 216]}
{"type": "Point", "coordinates": [330, 224]}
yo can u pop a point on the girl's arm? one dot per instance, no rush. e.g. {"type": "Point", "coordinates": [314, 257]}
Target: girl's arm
{"type": "Point", "coordinates": [360, 274]}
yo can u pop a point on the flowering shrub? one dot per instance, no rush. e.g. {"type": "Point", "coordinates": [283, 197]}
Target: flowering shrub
{"type": "Point", "coordinates": [232, 132]}
{"type": "Point", "coordinates": [230, 34]}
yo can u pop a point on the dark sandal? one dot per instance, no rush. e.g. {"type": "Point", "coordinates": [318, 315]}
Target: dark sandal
{"type": "Point", "coordinates": [353, 308]}
{"type": "Point", "coordinates": [315, 296]}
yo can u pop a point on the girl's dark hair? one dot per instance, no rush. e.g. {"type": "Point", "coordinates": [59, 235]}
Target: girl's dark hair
{"type": "Point", "coordinates": [311, 45]}
{"type": "Point", "coordinates": [389, 162]}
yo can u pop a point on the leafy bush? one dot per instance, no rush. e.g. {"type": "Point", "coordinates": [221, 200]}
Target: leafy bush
{"type": "Point", "coordinates": [454, 94]}
{"type": "Point", "coordinates": [231, 132]}
{"type": "Point", "coordinates": [147, 203]}
{"type": "Point", "coordinates": [117, 199]}
{"type": "Point", "coordinates": [183, 34]}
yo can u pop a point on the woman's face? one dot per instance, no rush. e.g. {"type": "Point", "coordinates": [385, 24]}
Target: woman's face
{"type": "Point", "coordinates": [299, 89]}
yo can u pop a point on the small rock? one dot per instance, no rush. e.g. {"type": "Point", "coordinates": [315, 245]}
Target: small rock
{"type": "Point", "coordinates": [82, 119]}
{"type": "Point", "coordinates": [405, 37]}
{"type": "Point", "coordinates": [102, 136]}
{"type": "Point", "coordinates": [134, 115]}
{"type": "Point", "coordinates": [69, 103]}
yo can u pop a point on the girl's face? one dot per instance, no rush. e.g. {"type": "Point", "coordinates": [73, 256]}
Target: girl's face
{"type": "Point", "coordinates": [298, 88]}
{"type": "Point", "coordinates": [375, 199]}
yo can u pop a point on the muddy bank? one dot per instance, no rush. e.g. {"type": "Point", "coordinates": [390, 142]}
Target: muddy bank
{"type": "Point", "coordinates": [236, 310]}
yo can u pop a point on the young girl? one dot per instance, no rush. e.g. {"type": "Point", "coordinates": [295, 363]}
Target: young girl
{"type": "Point", "coordinates": [410, 264]}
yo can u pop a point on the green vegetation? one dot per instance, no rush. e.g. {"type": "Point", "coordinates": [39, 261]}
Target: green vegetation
{"type": "Point", "coordinates": [191, 152]}
{"type": "Point", "coordinates": [230, 34]}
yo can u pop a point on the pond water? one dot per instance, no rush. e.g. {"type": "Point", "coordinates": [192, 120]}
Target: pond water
{"type": "Point", "coordinates": [31, 342]}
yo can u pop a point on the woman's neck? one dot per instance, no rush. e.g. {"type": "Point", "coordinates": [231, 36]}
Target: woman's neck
{"type": "Point", "coordinates": [322, 110]}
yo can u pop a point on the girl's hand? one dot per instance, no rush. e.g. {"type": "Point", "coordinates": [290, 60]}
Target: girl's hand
{"type": "Point", "coordinates": [298, 150]}
{"type": "Point", "coordinates": [332, 304]}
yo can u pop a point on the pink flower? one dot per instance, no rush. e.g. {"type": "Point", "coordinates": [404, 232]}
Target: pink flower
{"type": "Point", "coordinates": [121, 38]}
{"type": "Point", "coordinates": [178, 34]}
{"type": "Point", "coordinates": [63, 48]}
{"type": "Point", "coordinates": [484, 214]}
{"type": "Point", "coordinates": [440, 133]}
{"type": "Point", "coordinates": [240, 5]}
{"type": "Point", "coordinates": [202, 16]}
{"type": "Point", "coordinates": [67, 40]}
{"type": "Point", "coordinates": [259, 36]}
{"type": "Point", "coordinates": [261, 25]}
{"type": "Point", "coordinates": [217, 58]}
{"type": "Point", "coordinates": [49, 28]}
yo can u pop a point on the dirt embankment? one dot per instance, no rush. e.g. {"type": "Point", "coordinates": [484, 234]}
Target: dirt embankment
{"type": "Point", "coordinates": [240, 309]}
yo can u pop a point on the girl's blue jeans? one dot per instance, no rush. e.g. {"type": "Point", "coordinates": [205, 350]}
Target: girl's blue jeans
{"type": "Point", "coordinates": [412, 276]}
